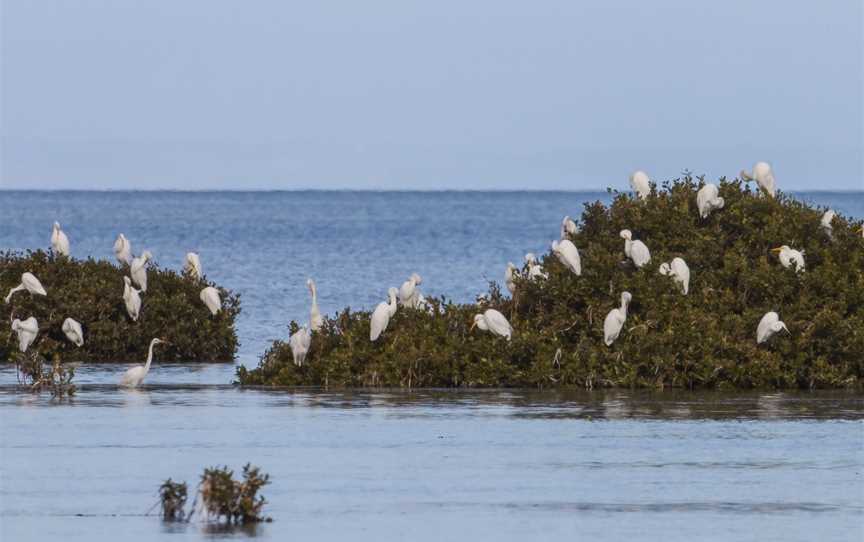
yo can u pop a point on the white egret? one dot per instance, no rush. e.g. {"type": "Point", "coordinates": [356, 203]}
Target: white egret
{"type": "Point", "coordinates": [132, 299]}
{"type": "Point", "coordinates": [210, 297]}
{"type": "Point", "coordinates": [568, 227]}
{"type": "Point", "coordinates": [615, 320]}
{"type": "Point", "coordinates": [134, 376]}
{"type": "Point", "coordinates": [862, 230]}
{"type": "Point", "coordinates": [139, 269]}
{"type": "Point", "coordinates": [509, 275]}
{"type": "Point", "coordinates": [59, 241]}
{"type": "Point", "coordinates": [635, 250]}
{"type": "Point", "coordinates": [641, 184]}
{"type": "Point", "coordinates": [768, 326]}
{"type": "Point", "coordinates": [790, 257]}
{"type": "Point", "coordinates": [568, 255]}
{"type": "Point", "coordinates": [825, 222]}
{"type": "Point", "coordinates": [315, 318]}
{"type": "Point", "coordinates": [192, 266]}
{"type": "Point", "coordinates": [123, 249]}
{"type": "Point", "coordinates": [72, 330]}
{"type": "Point", "coordinates": [300, 343]}
{"type": "Point", "coordinates": [494, 322]}
{"type": "Point", "coordinates": [764, 177]}
{"type": "Point", "coordinates": [679, 272]}
{"type": "Point", "coordinates": [708, 199]}
{"type": "Point", "coordinates": [30, 283]}
{"type": "Point", "coordinates": [27, 331]}
{"type": "Point", "coordinates": [535, 270]}
{"type": "Point", "coordinates": [382, 314]}
{"type": "Point", "coordinates": [409, 293]}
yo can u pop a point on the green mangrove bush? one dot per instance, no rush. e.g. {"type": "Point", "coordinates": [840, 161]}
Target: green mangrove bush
{"type": "Point", "coordinates": [91, 292]}
{"type": "Point", "coordinates": [220, 497]}
{"type": "Point", "coordinates": [705, 339]}
{"type": "Point", "coordinates": [37, 374]}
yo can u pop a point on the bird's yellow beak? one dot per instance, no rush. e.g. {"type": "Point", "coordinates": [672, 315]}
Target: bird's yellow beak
{"type": "Point", "coordinates": [473, 325]}
{"type": "Point", "coordinates": [778, 249]}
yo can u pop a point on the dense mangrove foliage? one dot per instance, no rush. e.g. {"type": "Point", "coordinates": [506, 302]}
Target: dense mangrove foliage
{"type": "Point", "coordinates": [705, 339]}
{"type": "Point", "coordinates": [91, 292]}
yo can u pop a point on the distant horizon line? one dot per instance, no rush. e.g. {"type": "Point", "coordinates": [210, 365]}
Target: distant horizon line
{"type": "Point", "coordinates": [380, 190]}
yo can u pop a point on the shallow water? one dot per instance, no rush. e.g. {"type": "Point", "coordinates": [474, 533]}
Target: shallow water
{"type": "Point", "coordinates": [395, 465]}
{"type": "Point", "coordinates": [435, 465]}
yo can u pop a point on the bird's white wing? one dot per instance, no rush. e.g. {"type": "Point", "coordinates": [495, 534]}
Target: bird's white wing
{"type": "Point", "coordinates": [380, 319]}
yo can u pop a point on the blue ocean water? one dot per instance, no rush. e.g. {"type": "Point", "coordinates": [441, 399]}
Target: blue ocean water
{"type": "Point", "coordinates": [354, 244]}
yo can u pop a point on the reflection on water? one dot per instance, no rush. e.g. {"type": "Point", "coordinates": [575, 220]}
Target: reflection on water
{"type": "Point", "coordinates": [434, 464]}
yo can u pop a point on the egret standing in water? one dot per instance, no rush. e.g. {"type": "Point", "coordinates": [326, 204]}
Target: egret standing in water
{"type": "Point", "coordinates": [679, 272]}
{"type": "Point", "coordinates": [30, 283]}
{"type": "Point", "coordinates": [535, 270]}
{"type": "Point", "coordinates": [768, 326]}
{"type": "Point", "coordinates": [315, 318]}
{"type": "Point", "coordinates": [494, 322]}
{"type": "Point", "coordinates": [123, 249]}
{"type": "Point", "coordinates": [764, 177]}
{"type": "Point", "coordinates": [192, 266]}
{"type": "Point", "coordinates": [210, 297]}
{"type": "Point", "coordinates": [509, 275]}
{"type": "Point", "coordinates": [708, 199]}
{"type": "Point", "coordinates": [132, 299]}
{"type": "Point", "coordinates": [139, 269]}
{"type": "Point", "coordinates": [300, 343]}
{"type": "Point", "coordinates": [134, 376]}
{"type": "Point", "coordinates": [568, 227]}
{"type": "Point", "coordinates": [382, 314]}
{"type": "Point", "coordinates": [641, 184]}
{"type": "Point", "coordinates": [568, 254]}
{"type": "Point", "coordinates": [635, 250]}
{"type": "Point", "coordinates": [826, 225]}
{"type": "Point", "coordinates": [27, 331]}
{"type": "Point", "coordinates": [72, 330]}
{"type": "Point", "coordinates": [790, 258]}
{"type": "Point", "coordinates": [615, 320]}
{"type": "Point", "coordinates": [59, 241]}
{"type": "Point", "coordinates": [409, 294]}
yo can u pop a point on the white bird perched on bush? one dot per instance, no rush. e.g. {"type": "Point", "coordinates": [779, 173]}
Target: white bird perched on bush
{"type": "Point", "coordinates": [635, 250]}
{"type": "Point", "coordinates": [509, 275]}
{"type": "Point", "coordinates": [768, 326]}
{"type": "Point", "coordinates": [210, 297]}
{"type": "Point", "coordinates": [27, 331]}
{"type": "Point", "coordinates": [764, 177]}
{"type": "Point", "coordinates": [409, 294]}
{"type": "Point", "coordinates": [615, 320]}
{"type": "Point", "coordinates": [708, 199]}
{"type": "Point", "coordinates": [568, 227]}
{"type": "Point", "coordinates": [825, 222]}
{"type": "Point", "coordinates": [139, 269]}
{"type": "Point", "coordinates": [134, 376]}
{"type": "Point", "coordinates": [59, 241]}
{"type": "Point", "coordinates": [192, 265]}
{"type": "Point", "coordinates": [679, 272]}
{"type": "Point", "coordinates": [382, 314]}
{"type": "Point", "coordinates": [30, 283]}
{"type": "Point", "coordinates": [300, 343]}
{"type": "Point", "coordinates": [494, 322]}
{"type": "Point", "coordinates": [315, 318]}
{"type": "Point", "coordinates": [132, 299]}
{"type": "Point", "coordinates": [790, 257]}
{"type": "Point", "coordinates": [535, 270]}
{"type": "Point", "coordinates": [123, 249]}
{"type": "Point", "coordinates": [568, 255]}
{"type": "Point", "coordinates": [641, 184]}
{"type": "Point", "coordinates": [72, 330]}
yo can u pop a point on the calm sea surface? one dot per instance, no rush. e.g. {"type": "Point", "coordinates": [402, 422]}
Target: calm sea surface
{"type": "Point", "coordinates": [451, 465]}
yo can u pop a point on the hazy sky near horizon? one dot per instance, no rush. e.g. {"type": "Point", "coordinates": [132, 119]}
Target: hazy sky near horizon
{"type": "Point", "coordinates": [137, 94]}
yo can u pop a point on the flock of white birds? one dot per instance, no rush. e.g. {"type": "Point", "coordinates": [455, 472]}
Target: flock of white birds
{"type": "Point", "coordinates": [409, 294]}
{"type": "Point", "coordinates": [27, 330]}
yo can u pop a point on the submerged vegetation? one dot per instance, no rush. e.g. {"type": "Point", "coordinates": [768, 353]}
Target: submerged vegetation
{"type": "Point", "coordinates": [35, 372]}
{"type": "Point", "coordinates": [704, 339]}
{"type": "Point", "coordinates": [91, 292]}
{"type": "Point", "coordinates": [220, 497]}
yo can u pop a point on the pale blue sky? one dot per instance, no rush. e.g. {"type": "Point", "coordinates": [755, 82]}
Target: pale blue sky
{"type": "Point", "coordinates": [446, 94]}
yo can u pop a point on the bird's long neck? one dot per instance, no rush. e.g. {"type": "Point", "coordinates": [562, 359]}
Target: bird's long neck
{"type": "Point", "coordinates": [13, 290]}
{"type": "Point", "coordinates": [149, 357]}
{"type": "Point", "coordinates": [623, 308]}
